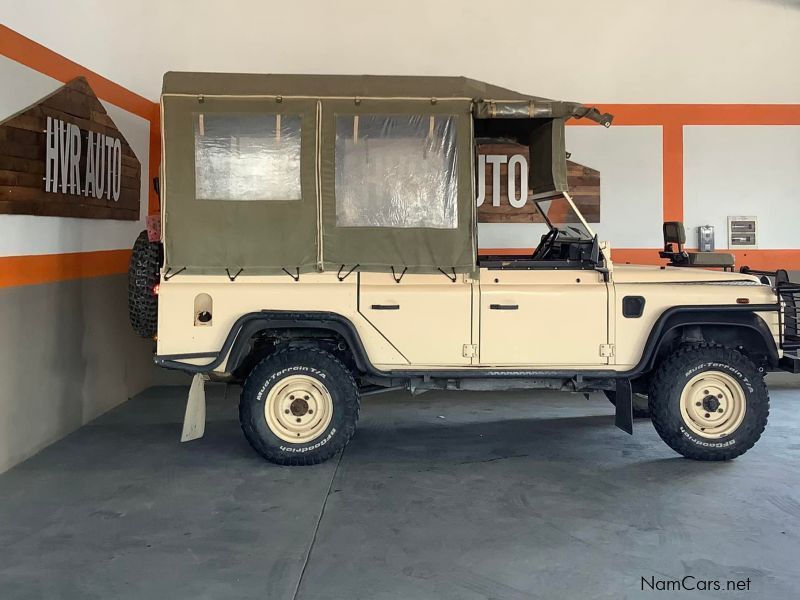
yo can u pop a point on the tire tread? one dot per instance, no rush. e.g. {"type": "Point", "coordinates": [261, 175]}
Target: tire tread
{"type": "Point", "coordinates": [250, 388]}
{"type": "Point", "coordinates": [671, 370]}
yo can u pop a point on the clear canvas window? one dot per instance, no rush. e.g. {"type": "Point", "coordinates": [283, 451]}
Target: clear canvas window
{"type": "Point", "coordinates": [247, 156]}
{"type": "Point", "coordinates": [396, 171]}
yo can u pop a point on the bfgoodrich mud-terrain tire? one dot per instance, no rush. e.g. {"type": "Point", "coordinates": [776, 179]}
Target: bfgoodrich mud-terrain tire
{"type": "Point", "coordinates": [142, 279]}
{"type": "Point", "coordinates": [641, 408]}
{"type": "Point", "coordinates": [299, 407]}
{"type": "Point", "coordinates": [709, 402]}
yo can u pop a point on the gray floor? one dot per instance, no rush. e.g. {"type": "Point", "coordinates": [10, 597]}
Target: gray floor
{"type": "Point", "coordinates": [462, 496]}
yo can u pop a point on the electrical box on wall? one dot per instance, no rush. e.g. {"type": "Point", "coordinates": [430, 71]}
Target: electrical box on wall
{"type": "Point", "coordinates": [705, 238]}
{"type": "Point", "coordinates": [742, 232]}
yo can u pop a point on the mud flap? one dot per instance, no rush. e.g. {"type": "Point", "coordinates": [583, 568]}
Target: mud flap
{"type": "Point", "coordinates": [624, 402]}
{"type": "Point", "coordinates": [194, 420]}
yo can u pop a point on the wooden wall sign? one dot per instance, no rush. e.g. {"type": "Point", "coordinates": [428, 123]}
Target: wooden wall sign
{"type": "Point", "coordinates": [65, 157]}
{"type": "Point", "coordinates": [506, 199]}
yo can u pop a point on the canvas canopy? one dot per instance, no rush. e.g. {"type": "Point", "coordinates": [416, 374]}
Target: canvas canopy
{"type": "Point", "coordinates": [271, 173]}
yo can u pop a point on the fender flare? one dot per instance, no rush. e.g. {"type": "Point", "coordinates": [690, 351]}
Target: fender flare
{"type": "Point", "coordinates": [736, 315]}
{"type": "Point", "coordinates": [236, 343]}
{"type": "Point", "coordinates": [272, 319]}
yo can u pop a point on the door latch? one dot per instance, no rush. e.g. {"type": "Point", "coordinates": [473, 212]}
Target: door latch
{"type": "Point", "coordinates": [470, 350]}
{"type": "Point", "coordinates": [606, 350]}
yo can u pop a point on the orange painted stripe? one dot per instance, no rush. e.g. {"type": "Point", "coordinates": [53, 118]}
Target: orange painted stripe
{"type": "Point", "coordinates": [31, 54]}
{"type": "Point", "coordinates": [672, 172]}
{"type": "Point", "coordinates": [45, 268]}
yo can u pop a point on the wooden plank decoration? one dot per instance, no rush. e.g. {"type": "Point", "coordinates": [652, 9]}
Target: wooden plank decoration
{"type": "Point", "coordinates": [495, 205]}
{"type": "Point", "coordinates": [65, 157]}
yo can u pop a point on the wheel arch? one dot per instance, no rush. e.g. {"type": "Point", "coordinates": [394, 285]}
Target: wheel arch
{"type": "Point", "coordinates": [306, 325]}
{"type": "Point", "coordinates": [733, 326]}
{"type": "Point", "coordinates": [237, 343]}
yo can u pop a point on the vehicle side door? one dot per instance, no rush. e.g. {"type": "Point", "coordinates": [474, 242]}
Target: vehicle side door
{"type": "Point", "coordinates": [543, 318]}
{"type": "Point", "coordinates": [426, 317]}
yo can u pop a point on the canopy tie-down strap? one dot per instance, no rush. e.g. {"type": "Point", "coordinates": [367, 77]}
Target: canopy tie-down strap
{"type": "Point", "coordinates": [169, 275]}
{"type": "Point", "coordinates": [235, 275]}
{"type": "Point", "coordinates": [295, 276]}
{"type": "Point", "coordinates": [341, 277]}
{"type": "Point", "coordinates": [398, 278]}
{"type": "Point", "coordinates": [452, 277]}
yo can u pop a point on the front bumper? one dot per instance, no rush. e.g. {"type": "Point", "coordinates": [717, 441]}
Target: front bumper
{"type": "Point", "coordinates": [788, 294]}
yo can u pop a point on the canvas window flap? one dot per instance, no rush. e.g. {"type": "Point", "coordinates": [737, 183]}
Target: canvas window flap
{"type": "Point", "coordinates": [240, 184]}
{"type": "Point", "coordinates": [548, 157]}
{"type": "Point", "coordinates": [397, 185]}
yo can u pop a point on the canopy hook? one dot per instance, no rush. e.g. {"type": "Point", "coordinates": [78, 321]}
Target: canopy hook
{"type": "Point", "coordinates": [167, 276]}
{"type": "Point", "coordinates": [346, 275]}
{"type": "Point", "coordinates": [398, 278]}
{"type": "Point", "coordinates": [446, 274]}
{"type": "Point", "coordinates": [233, 277]}
{"type": "Point", "coordinates": [295, 277]}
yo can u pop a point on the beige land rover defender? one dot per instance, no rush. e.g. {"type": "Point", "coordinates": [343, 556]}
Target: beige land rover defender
{"type": "Point", "coordinates": [318, 243]}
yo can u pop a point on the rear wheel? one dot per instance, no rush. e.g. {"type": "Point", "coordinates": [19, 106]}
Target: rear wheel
{"type": "Point", "coordinates": [709, 403]}
{"type": "Point", "coordinates": [299, 407]}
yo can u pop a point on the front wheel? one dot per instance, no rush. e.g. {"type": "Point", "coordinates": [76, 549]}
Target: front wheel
{"type": "Point", "coordinates": [709, 402]}
{"type": "Point", "coordinates": [299, 407]}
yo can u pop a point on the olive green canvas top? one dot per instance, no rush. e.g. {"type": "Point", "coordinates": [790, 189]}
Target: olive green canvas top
{"type": "Point", "coordinates": [267, 174]}
{"type": "Point", "coordinates": [491, 100]}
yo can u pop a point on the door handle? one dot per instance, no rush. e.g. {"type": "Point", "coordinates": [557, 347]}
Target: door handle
{"type": "Point", "coordinates": [504, 306]}
{"type": "Point", "coordinates": [385, 307]}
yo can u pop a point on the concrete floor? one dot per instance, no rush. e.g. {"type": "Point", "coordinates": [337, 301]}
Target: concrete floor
{"type": "Point", "coordinates": [458, 496]}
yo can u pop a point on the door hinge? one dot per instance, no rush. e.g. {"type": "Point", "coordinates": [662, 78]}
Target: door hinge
{"type": "Point", "coordinates": [606, 350]}
{"type": "Point", "coordinates": [470, 350]}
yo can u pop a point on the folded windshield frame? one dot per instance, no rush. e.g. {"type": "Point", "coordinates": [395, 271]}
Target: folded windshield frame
{"type": "Point", "coordinates": [567, 219]}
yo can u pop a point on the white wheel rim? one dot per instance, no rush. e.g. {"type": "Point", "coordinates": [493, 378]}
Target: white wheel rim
{"type": "Point", "coordinates": [713, 404]}
{"type": "Point", "coordinates": [298, 409]}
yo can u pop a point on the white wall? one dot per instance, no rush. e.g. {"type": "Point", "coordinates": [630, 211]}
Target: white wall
{"type": "Point", "coordinates": [626, 51]}
{"type": "Point", "coordinates": [68, 352]}
{"type": "Point", "coordinates": [27, 234]}
{"type": "Point", "coordinates": [743, 170]}
{"type": "Point", "coordinates": [728, 51]}
{"type": "Point", "coordinates": [629, 161]}
{"type": "Point", "coordinates": [631, 187]}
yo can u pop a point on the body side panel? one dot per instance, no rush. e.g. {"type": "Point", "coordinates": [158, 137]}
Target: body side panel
{"type": "Point", "coordinates": [542, 318]}
{"type": "Point", "coordinates": [631, 334]}
{"type": "Point", "coordinates": [427, 317]}
{"type": "Point", "coordinates": [178, 334]}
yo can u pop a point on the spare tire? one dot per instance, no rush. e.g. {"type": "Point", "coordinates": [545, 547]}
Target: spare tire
{"type": "Point", "coordinates": [143, 277]}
